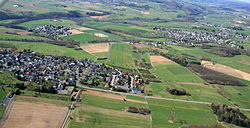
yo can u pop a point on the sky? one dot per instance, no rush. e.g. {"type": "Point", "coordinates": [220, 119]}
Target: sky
{"type": "Point", "coordinates": [245, 1]}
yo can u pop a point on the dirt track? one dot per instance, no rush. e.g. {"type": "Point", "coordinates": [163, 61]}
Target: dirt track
{"type": "Point", "coordinates": [198, 84]}
{"type": "Point", "coordinates": [225, 69]}
{"type": "Point", "coordinates": [94, 48]}
{"type": "Point", "coordinates": [35, 115]}
{"type": "Point", "coordinates": [111, 96]}
{"type": "Point", "coordinates": [160, 60]}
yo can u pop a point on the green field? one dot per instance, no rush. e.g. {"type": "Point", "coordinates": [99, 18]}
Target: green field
{"type": "Point", "coordinates": [175, 72]}
{"type": "Point", "coordinates": [50, 49]}
{"type": "Point", "coordinates": [89, 36]}
{"type": "Point", "coordinates": [59, 22]}
{"type": "Point", "coordinates": [110, 113]}
{"type": "Point", "coordinates": [240, 62]}
{"type": "Point", "coordinates": [186, 114]}
{"type": "Point", "coordinates": [121, 54]}
{"type": "Point", "coordinates": [20, 37]}
{"type": "Point", "coordinates": [198, 93]}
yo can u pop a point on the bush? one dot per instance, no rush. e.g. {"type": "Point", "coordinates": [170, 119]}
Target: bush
{"type": "Point", "coordinates": [178, 91]}
{"type": "Point", "coordinates": [144, 111]}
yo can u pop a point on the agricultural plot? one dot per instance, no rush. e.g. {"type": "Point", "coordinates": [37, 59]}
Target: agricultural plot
{"type": "Point", "coordinates": [121, 54]}
{"type": "Point", "coordinates": [185, 114]}
{"type": "Point", "coordinates": [55, 22]}
{"type": "Point", "coordinates": [110, 113]}
{"type": "Point", "coordinates": [160, 60]}
{"type": "Point", "coordinates": [92, 35]}
{"type": "Point", "coordinates": [198, 92]}
{"type": "Point", "coordinates": [175, 72]}
{"type": "Point", "coordinates": [20, 37]}
{"type": "Point", "coordinates": [225, 69]}
{"type": "Point", "coordinates": [27, 114]}
{"type": "Point", "coordinates": [240, 62]}
{"type": "Point", "coordinates": [238, 95]}
{"type": "Point", "coordinates": [50, 49]}
{"type": "Point", "coordinates": [96, 48]}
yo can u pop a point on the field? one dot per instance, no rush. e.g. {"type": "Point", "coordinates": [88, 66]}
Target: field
{"type": "Point", "coordinates": [56, 22]}
{"type": "Point", "coordinates": [227, 70]}
{"type": "Point", "coordinates": [160, 60]}
{"type": "Point", "coordinates": [29, 114]}
{"type": "Point", "coordinates": [121, 54]}
{"type": "Point", "coordinates": [185, 114]}
{"type": "Point", "coordinates": [240, 62]}
{"type": "Point", "coordinates": [90, 113]}
{"type": "Point", "coordinates": [95, 48]}
{"type": "Point", "coordinates": [50, 49]}
{"type": "Point", "coordinates": [175, 72]}
{"type": "Point", "coordinates": [111, 113]}
{"type": "Point", "coordinates": [198, 93]}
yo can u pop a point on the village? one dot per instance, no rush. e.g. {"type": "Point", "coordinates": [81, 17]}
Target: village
{"type": "Point", "coordinates": [192, 37]}
{"type": "Point", "coordinates": [54, 74]}
{"type": "Point", "coordinates": [52, 31]}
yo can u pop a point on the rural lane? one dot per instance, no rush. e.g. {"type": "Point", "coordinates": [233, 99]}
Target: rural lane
{"type": "Point", "coordinates": [153, 97]}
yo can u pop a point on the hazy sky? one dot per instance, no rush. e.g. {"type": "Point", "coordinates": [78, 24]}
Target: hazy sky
{"type": "Point", "coordinates": [245, 0]}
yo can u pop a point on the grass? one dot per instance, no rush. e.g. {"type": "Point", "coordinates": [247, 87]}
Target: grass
{"type": "Point", "coordinates": [186, 114]}
{"type": "Point", "coordinates": [106, 113]}
{"type": "Point", "coordinates": [59, 22]}
{"type": "Point", "coordinates": [175, 72]}
{"type": "Point", "coordinates": [50, 49]}
{"type": "Point", "coordinates": [121, 54]}
{"type": "Point", "coordinates": [240, 62]}
{"type": "Point", "coordinates": [107, 103]}
{"type": "Point", "coordinates": [198, 93]}
{"type": "Point", "coordinates": [19, 37]}
{"type": "Point", "coordinates": [89, 36]}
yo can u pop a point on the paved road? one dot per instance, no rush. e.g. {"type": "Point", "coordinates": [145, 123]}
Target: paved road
{"type": "Point", "coordinates": [6, 101]}
{"type": "Point", "coordinates": [153, 97]}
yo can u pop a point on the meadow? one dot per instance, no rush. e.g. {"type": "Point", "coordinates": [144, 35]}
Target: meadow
{"type": "Point", "coordinates": [175, 72]}
{"type": "Point", "coordinates": [240, 62]}
{"type": "Point", "coordinates": [110, 113]}
{"type": "Point", "coordinates": [20, 37]}
{"type": "Point", "coordinates": [56, 22]}
{"type": "Point", "coordinates": [198, 92]}
{"type": "Point", "coordinates": [121, 54]}
{"type": "Point", "coordinates": [50, 49]}
{"type": "Point", "coordinates": [185, 114]}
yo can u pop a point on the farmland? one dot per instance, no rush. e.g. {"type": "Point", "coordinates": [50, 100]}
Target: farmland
{"type": "Point", "coordinates": [50, 49]}
{"type": "Point", "coordinates": [121, 54]}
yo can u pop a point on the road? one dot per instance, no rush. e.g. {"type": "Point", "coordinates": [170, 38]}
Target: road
{"type": "Point", "coordinates": [6, 101]}
{"type": "Point", "coordinates": [153, 97]}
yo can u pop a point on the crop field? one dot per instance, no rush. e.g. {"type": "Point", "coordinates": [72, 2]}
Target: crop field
{"type": "Point", "coordinates": [20, 37]}
{"type": "Point", "coordinates": [198, 93]}
{"type": "Point", "coordinates": [175, 72]}
{"type": "Point", "coordinates": [92, 35]}
{"type": "Point", "coordinates": [56, 22]}
{"type": "Point", "coordinates": [238, 95]}
{"type": "Point", "coordinates": [240, 62]}
{"type": "Point", "coordinates": [50, 49]}
{"type": "Point", "coordinates": [185, 114]}
{"type": "Point", "coordinates": [121, 54]}
{"type": "Point", "coordinates": [111, 113]}
{"type": "Point", "coordinates": [30, 114]}
{"type": "Point", "coordinates": [227, 70]}
{"type": "Point", "coordinates": [96, 48]}
{"type": "Point", "coordinates": [160, 60]}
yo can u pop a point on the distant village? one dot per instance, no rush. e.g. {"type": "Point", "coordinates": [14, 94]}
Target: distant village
{"type": "Point", "coordinates": [191, 37]}
{"type": "Point", "coordinates": [52, 31]}
{"type": "Point", "coordinates": [56, 74]}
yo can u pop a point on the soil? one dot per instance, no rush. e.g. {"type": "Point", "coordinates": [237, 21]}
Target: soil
{"type": "Point", "coordinates": [160, 60]}
{"type": "Point", "coordinates": [35, 115]}
{"type": "Point", "coordinates": [95, 48]}
{"type": "Point", "coordinates": [225, 69]}
{"type": "Point", "coordinates": [100, 35]}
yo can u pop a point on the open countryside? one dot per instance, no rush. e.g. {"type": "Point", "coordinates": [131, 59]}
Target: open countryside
{"type": "Point", "coordinates": [124, 64]}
